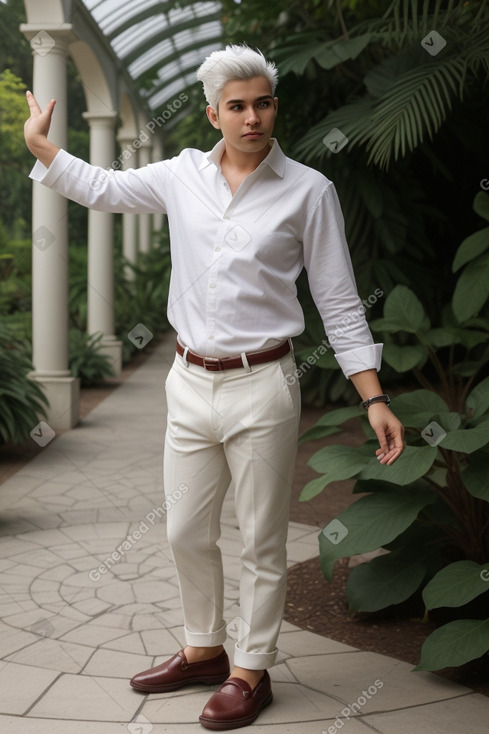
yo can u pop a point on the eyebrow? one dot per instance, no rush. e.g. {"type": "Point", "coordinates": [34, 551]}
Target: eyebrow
{"type": "Point", "coordinates": [241, 101]}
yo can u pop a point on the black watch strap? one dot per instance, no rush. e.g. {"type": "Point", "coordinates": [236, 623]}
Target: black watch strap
{"type": "Point", "coordinates": [384, 398]}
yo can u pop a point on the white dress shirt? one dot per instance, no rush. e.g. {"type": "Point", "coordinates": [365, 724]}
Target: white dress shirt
{"type": "Point", "coordinates": [235, 259]}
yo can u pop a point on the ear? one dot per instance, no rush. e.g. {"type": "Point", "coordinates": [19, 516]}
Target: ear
{"type": "Point", "coordinates": [213, 117]}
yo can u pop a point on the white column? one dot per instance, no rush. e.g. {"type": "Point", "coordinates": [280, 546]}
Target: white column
{"type": "Point", "coordinates": [145, 220]}
{"type": "Point", "coordinates": [129, 221]}
{"type": "Point", "coordinates": [50, 240]}
{"type": "Point", "coordinates": [100, 296]}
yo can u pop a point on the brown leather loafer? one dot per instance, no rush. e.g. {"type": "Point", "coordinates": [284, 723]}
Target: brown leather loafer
{"type": "Point", "coordinates": [236, 704]}
{"type": "Point", "coordinates": [178, 672]}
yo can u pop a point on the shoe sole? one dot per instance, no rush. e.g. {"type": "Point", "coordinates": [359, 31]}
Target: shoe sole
{"type": "Point", "coordinates": [235, 723]}
{"type": "Point", "coordinates": [164, 688]}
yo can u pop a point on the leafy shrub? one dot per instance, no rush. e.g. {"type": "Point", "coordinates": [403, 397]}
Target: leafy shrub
{"type": "Point", "coordinates": [85, 359]}
{"type": "Point", "coordinates": [22, 402]}
{"type": "Point", "coordinates": [429, 510]}
{"type": "Point", "coordinates": [142, 292]}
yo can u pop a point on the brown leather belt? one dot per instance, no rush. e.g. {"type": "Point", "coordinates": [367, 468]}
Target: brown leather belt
{"type": "Point", "coordinates": [217, 364]}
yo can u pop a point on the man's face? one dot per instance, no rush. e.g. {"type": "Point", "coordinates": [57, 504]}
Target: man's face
{"type": "Point", "coordinates": [246, 114]}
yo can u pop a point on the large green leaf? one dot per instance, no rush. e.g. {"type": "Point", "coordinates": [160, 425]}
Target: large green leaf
{"type": "Point", "coordinates": [405, 358]}
{"type": "Point", "coordinates": [416, 409]}
{"type": "Point", "coordinates": [445, 336]}
{"type": "Point", "coordinates": [338, 462]}
{"type": "Point", "coordinates": [476, 475]}
{"type": "Point", "coordinates": [385, 580]}
{"type": "Point", "coordinates": [481, 204]}
{"type": "Point", "coordinates": [370, 523]}
{"type": "Point", "coordinates": [478, 399]}
{"type": "Point", "coordinates": [312, 488]}
{"type": "Point", "coordinates": [318, 432]}
{"type": "Point", "coordinates": [456, 585]}
{"type": "Point", "coordinates": [412, 464]}
{"type": "Point", "coordinates": [402, 307]}
{"type": "Point", "coordinates": [467, 440]}
{"type": "Point", "coordinates": [472, 246]}
{"type": "Point", "coordinates": [472, 289]}
{"type": "Point", "coordinates": [455, 644]}
{"type": "Point", "coordinates": [327, 425]}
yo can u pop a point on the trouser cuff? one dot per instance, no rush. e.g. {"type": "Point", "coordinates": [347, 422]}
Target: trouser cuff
{"type": "Point", "coordinates": [206, 639]}
{"type": "Point", "coordinates": [254, 660]}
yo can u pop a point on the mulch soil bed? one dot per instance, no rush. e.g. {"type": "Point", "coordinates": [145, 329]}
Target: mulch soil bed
{"type": "Point", "coordinates": [312, 603]}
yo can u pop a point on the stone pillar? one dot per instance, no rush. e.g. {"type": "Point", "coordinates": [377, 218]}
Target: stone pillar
{"type": "Point", "coordinates": [100, 301]}
{"type": "Point", "coordinates": [50, 239]}
{"type": "Point", "coordinates": [129, 221]}
{"type": "Point", "coordinates": [145, 220]}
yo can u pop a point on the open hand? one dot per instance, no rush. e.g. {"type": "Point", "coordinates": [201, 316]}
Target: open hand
{"type": "Point", "coordinates": [36, 130]}
{"type": "Point", "coordinates": [389, 430]}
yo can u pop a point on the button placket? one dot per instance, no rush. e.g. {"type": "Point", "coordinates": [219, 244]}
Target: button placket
{"type": "Point", "coordinates": [213, 283]}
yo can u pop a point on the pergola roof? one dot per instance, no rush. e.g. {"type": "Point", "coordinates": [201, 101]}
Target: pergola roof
{"type": "Point", "coordinates": [160, 42]}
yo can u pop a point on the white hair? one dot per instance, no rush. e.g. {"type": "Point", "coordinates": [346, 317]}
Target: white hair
{"type": "Point", "coordinates": [233, 62]}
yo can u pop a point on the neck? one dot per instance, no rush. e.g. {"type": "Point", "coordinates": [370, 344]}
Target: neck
{"type": "Point", "coordinates": [244, 162]}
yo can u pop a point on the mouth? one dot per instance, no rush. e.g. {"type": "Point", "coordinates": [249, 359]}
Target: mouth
{"type": "Point", "coordinates": [253, 135]}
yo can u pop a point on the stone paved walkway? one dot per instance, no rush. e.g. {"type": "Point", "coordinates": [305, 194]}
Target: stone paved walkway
{"type": "Point", "coordinates": [75, 627]}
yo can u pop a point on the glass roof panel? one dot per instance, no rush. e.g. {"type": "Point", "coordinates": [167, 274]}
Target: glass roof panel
{"type": "Point", "coordinates": [154, 35]}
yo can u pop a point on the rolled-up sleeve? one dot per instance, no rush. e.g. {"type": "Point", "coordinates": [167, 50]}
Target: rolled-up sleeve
{"type": "Point", "coordinates": [139, 190]}
{"type": "Point", "coordinates": [333, 288]}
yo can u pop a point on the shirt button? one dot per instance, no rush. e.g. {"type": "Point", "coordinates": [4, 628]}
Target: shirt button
{"type": "Point", "coordinates": [211, 337]}
{"type": "Point", "coordinates": [212, 285]}
{"type": "Point", "coordinates": [217, 249]}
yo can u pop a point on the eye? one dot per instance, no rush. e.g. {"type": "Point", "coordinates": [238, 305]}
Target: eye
{"type": "Point", "coordinates": [264, 103]}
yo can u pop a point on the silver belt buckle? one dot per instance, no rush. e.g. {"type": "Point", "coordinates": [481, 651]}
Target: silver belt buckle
{"type": "Point", "coordinates": [212, 364]}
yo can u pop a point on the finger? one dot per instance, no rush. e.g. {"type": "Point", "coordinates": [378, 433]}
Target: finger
{"type": "Point", "coordinates": [33, 106]}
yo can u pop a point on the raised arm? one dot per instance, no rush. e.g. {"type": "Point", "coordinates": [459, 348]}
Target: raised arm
{"type": "Point", "coordinates": [36, 131]}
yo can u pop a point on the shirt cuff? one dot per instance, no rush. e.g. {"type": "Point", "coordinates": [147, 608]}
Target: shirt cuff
{"type": "Point", "coordinates": [362, 358]}
{"type": "Point", "coordinates": [48, 176]}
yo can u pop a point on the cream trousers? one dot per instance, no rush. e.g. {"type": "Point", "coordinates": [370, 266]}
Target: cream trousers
{"type": "Point", "coordinates": [239, 425]}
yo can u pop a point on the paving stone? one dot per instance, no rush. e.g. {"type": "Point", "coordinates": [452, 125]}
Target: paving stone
{"type": "Point", "coordinates": [117, 664]}
{"type": "Point", "coordinates": [21, 685]}
{"type": "Point", "coordinates": [466, 714]}
{"type": "Point", "coordinates": [52, 654]}
{"type": "Point", "coordinates": [389, 683]}
{"type": "Point", "coordinates": [88, 699]}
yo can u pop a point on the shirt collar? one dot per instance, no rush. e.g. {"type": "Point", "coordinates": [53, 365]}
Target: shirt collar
{"type": "Point", "coordinates": [275, 158]}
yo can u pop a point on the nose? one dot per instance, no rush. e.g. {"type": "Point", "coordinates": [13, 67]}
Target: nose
{"type": "Point", "coordinates": [252, 117]}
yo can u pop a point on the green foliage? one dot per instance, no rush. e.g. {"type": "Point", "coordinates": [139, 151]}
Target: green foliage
{"type": "Point", "coordinates": [430, 510]}
{"type": "Point", "coordinates": [142, 292]}
{"type": "Point", "coordinates": [360, 67]}
{"type": "Point", "coordinates": [22, 402]}
{"type": "Point", "coordinates": [12, 117]}
{"type": "Point", "coordinates": [86, 361]}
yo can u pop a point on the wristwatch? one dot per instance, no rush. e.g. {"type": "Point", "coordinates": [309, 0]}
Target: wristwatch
{"type": "Point", "coordinates": [384, 398]}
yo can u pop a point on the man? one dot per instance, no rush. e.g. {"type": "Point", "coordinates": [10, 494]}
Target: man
{"type": "Point", "coordinates": [243, 219]}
